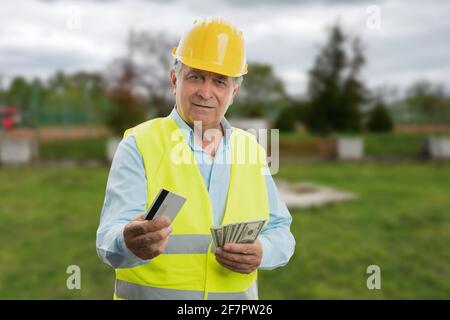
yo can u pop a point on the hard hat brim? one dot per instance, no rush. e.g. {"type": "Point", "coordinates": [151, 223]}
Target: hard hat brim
{"type": "Point", "coordinates": [207, 66]}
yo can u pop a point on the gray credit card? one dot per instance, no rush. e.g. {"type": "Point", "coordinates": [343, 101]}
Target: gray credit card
{"type": "Point", "coordinates": [166, 204]}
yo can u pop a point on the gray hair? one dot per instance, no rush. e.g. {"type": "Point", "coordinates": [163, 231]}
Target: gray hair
{"type": "Point", "coordinates": [178, 65]}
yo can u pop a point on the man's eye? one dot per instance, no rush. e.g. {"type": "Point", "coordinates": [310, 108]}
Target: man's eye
{"type": "Point", "coordinates": [221, 82]}
{"type": "Point", "coordinates": [194, 77]}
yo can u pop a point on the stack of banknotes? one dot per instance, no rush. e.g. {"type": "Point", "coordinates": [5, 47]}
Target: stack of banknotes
{"type": "Point", "coordinates": [241, 232]}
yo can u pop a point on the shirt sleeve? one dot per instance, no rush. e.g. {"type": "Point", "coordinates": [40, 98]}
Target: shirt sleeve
{"type": "Point", "coordinates": [276, 239]}
{"type": "Point", "coordinates": [125, 199]}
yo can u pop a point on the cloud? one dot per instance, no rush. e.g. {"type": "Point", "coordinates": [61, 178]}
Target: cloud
{"type": "Point", "coordinates": [39, 38]}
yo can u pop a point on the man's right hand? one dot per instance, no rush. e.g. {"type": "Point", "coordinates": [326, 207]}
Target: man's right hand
{"type": "Point", "coordinates": [147, 239]}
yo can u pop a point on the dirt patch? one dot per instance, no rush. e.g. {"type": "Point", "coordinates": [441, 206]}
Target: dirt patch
{"type": "Point", "coordinates": [422, 128]}
{"type": "Point", "coordinates": [313, 147]}
{"type": "Point", "coordinates": [57, 133]}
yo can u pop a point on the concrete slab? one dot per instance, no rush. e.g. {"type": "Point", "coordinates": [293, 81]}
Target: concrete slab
{"type": "Point", "coordinates": [308, 195]}
{"type": "Point", "coordinates": [17, 152]}
{"type": "Point", "coordinates": [349, 148]}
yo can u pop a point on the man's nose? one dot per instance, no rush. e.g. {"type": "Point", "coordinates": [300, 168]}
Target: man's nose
{"type": "Point", "coordinates": [206, 90]}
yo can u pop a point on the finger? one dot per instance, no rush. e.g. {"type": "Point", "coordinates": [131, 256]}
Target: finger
{"type": "Point", "coordinates": [237, 257]}
{"type": "Point", "coordinates": [243, 248]}
{"type": "Point", "coordinates": [140, 218]}
{"type": "Point", "coordinates": [234, 268]}
{"type": "Point", "coordinates": [144, 253]}
{"type": "Point", "coordinates": [142, 227]}
{"type": "Point", "coordinates": [134, 229]}
{"type": "Point", "coordinates": [158, 248]}
{"type": "Point", "coordinates": [149, 238]}
{"type": "Point", "coordinates": [140, 243]}
{"type": "Point", "coordinates": [230, 267]}
{"type": "Point", "coordinates": [234, 264]}
{"type": "Point", "coordinates": [154, 237]}
{"type": "Point", "coordinates": [152, 251]}
{"type": "Point", "coordinates": [164, 244]}
{"type": "Point", "coordinates": [161, 222]}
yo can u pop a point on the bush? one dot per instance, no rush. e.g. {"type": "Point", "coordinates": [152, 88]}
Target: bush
{"type": "Point", "coordinates": [286, 120]}
{"type": "Point", "coordinates": [379, 119]}
{"type": "Point", "coordinates": [126, 112]}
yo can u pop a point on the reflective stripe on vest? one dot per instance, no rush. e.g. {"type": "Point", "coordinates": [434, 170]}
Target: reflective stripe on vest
{"type": "Point", "coordinates": [188, 243]}
{"type": "Point", "coordinates": [131, 291]}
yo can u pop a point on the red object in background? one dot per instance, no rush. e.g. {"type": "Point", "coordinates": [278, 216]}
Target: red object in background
{"type": "Point", "coordinates": [8, 114]}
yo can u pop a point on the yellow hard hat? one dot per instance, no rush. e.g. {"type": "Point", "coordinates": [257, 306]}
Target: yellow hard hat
{"type": "Point", "coordinates": [213, 45]}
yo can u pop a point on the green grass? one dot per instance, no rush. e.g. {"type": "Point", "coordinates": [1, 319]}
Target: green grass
{"type": "Point", "coordinates": [393, 144]}
{"type": "Point", "coordinates": [400, 222]}
{"type": "Point", "coordinates": [79, 149]}
{"type": "Point", "coordinates": [379, 145]}
{"type": "Point", "coordinates": [48, 222]}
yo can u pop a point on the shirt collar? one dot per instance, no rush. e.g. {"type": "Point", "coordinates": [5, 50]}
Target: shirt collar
{"type": "Point", "coordinates": [189, 133]}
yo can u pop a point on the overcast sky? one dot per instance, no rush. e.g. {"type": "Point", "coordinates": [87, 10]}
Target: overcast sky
{"type": "Point", "coordinates": [409, 41]}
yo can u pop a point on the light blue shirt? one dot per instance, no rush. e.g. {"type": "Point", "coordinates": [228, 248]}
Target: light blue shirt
{"type": "Point", "coordinates": [126, 198]}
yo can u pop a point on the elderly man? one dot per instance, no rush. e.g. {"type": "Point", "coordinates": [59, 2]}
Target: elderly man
{"type": "Point", "coordinates": [163, 259]}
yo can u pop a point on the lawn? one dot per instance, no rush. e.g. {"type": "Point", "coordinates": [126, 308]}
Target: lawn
{"type": "Point", "coordinates": [296, 143]}
{"type": "Point", "coordinates": [392, 144]}
{"type": "Point", "coordinates": [79, 149]}
{"type": "Point", "coordinates": [401, 222]}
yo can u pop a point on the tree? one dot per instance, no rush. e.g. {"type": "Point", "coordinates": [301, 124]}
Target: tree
{"type": "Point", "coordinates": [261, 84]}
{"type": "Point", "coordinates": [286, 120]}
{"type": "Point", "coordinates": [127, 108]}
{"type": "Point", "coordinates": [19, 94]}
{"type": "Point", "coordinates": [379, 119]}
{"type": "Point", "coordinates": [260, 93]}
{"type": "Point", "coordinates": [148, 58]}
{"type": "Point", "coordinates": [335, 90]}
{"type": "Point", "coordinates": [428, 100]}
{"type": "Point", "coordinates": [126, 111]}
{"type": "Point", "coordinates": [80, 97]}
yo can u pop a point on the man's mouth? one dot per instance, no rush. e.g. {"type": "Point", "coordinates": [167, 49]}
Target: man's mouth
{"type": "Point", "coordinates": [202, 106]}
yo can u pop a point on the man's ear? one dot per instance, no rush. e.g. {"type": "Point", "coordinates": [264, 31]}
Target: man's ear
{"type": "Point", "coordinates": [235, 91]}
{"type": "Point", "coordinates": [173, 80]}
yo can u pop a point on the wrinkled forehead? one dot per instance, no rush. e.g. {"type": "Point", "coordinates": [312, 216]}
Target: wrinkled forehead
{"type": "Point", "coordinates": [189, 70]}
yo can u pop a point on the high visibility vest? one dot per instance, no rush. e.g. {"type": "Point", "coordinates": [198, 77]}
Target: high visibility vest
{"type": "Point", "coordinates": [188, 269]}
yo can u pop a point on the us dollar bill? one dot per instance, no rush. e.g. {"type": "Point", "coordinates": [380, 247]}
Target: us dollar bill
{"type": "Point", "coordinates": [241, 232]}
{"type": "Point", "coordinates": [226, 233]}
{"type": "Point", "coordinates": [238, 231]}
{"type": "Point", "coordinates": [214, 236]}
{"type": "Point", "coordinates": [250, 231]}
{"type": "Point", "coordinates": [231, 231]}
{"type": "Point", "coordinates": [217, 235]}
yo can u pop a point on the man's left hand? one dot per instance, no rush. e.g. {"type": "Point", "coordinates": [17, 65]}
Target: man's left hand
{"type": "Point", "coordinates": [242, 258]}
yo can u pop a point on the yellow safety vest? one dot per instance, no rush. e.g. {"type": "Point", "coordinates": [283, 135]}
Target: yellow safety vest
{"type": "Point", "coordinates": [188, 268]}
